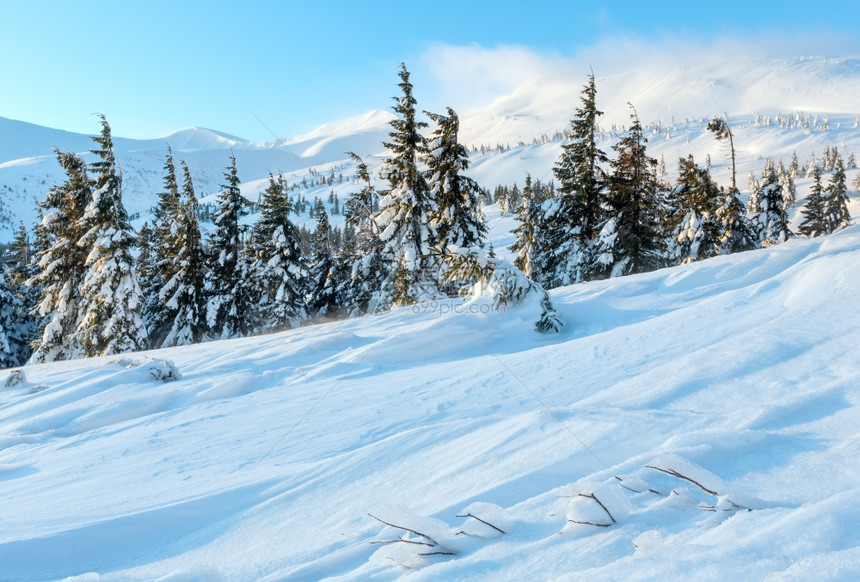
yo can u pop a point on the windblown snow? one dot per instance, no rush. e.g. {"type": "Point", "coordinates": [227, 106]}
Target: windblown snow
{"type": "Point", "coordinates": [695, 420]}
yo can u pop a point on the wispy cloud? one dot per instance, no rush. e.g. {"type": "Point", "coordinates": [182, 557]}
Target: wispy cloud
{"type": "Point", "coordinates": [474, 75]}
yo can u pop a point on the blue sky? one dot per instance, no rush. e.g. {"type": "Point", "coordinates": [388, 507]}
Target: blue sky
{"type": "Point", "coordinates": [155, 67]}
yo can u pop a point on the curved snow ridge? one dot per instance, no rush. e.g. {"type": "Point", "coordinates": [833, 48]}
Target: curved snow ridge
{"type": "Point", "coordinates": [126, 540]}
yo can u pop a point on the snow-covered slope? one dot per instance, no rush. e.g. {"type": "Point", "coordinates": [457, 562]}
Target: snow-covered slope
{"type": "Point", "coordinates": [703, 420]}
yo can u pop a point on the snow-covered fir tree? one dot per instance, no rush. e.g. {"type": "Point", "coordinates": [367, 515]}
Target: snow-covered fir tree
{"type": "Point", "coordinates": [228, 283]}
{"type": "Point", "coordinates": [145, 267]}
{"type": "Point", "coordinates": [458, 219]}
{"type": "Point", "coordinates": [184, 294]}
{"type": "Point", "coordinates": [789, 189]}
{"type": "Point", "coordinates": [691, 217]}
{"type": "Point", "coordinates": [770, 218]}
{"type": "Point", "coordinates": [14, 331]}
{"type": "Point", "coordinates": [794, 166]}
{"type": "Point", "coordinates": [630, 238]}
{"type": "Point", "coordinates": [60, 263]}
{"type": "Point", "coordinates": [111, 299]}
{"type": "Point", "coordinates": [836, 198]}
{"type": "Point", "coordinates": [405, 209]}
{"type": "Point", "coordinates": [528, 215]}
{"type": "Point", "coordinates": [278, 268]}
{"type": "Point", "coordinates": [17, 275]}
{"type": "Point", "coordinates": [814, 219]}
{"type": "Point", "coordinates": [571, 220]}
{"type": "Point", "coordinates": [323, 298]}
{"type": "Point", "coordinates": [163, 239]}
{"type": "Point", "coordinates": [363, 260]}
{"type": "Point", "coordinates": [736, 233]}
{"type": "Point", "coordinates": [810, 166]}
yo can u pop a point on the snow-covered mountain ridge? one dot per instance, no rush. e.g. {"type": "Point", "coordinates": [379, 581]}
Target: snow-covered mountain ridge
{"type": "Point", "coordinates": [676, 98]}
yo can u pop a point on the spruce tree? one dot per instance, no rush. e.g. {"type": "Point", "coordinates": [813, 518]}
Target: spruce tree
{"type": "Point", "coordinates": [771, 218]}
{"type": "Point", "coordinates": [528, 214]}
{"type": "Point", "coordinates": [571, 221]}
{"type": "Point", "coordinates": [144, 266]}
{"type": "Point", "coordinates": [278, 268]}
{"type": "Point", "coordinates": [14, 330]}
{"type": "Point", "coordinates": [629, 241]}
{"type": "Point", "coordinates": [60, 263]}
{"type": "Point", "coordinates": [406, 208]}
{"type": "Point", "coordinates": [691, 220]}
{"type": "Point", "coordinates": [836, 198]}
{"type": "Point", "coordinates": [164, 238]}
{"type": "Point", "coordinates": [736, 233]}
{"type": "Point", "coordinates": [363, 261]}
{"type": "Point", "coordinates": [814, 222]}
{"type": "Point", "coordinates": [22, 269]}
{"type": "Point", "coordinates": [184, 294]}
{"type": "Point", "coordinates": [111, 298]}
{"type": "Point", "coordinates": [228, 283]}
{"type": "Point", "coordinates": [323, 299]}
{"type": "Point", "coordinates": [457, 219]}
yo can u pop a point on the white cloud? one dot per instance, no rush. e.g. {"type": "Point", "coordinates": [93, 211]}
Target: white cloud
{"type": "Point", "coordinates": [472, 76]}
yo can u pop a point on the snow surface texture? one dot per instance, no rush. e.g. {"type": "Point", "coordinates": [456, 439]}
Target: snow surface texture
{"type": "Point", "coordinates": [694, 422]}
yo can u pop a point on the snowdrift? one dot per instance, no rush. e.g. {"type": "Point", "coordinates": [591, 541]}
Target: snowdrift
{"type": "Point", "coordinates": [699, 421]}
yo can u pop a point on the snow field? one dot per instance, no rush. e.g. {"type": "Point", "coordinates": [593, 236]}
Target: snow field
{"type": "Point", "coordinates": [700, 419]}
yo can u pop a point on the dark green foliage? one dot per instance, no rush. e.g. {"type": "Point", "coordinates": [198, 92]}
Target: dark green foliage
{"type": "Point", "coordinates": [770, 218]}
{"type": "Point", "coordinates": [563, 253]}
{"type": "Point", "coordinates": [581, 179]}
{"type": "Point", "coordinates": [690, 215]}
{"type": "Point", "coordinates": [363, 264]}
{"type": "Point", "coordinates": [111, 298]}
{"type": "Point", "coordinates": [630, 239]}
{"type": "Point", "coordinates": [405, 209]}
{"type": "Point", "coordinates": [228, 281]}
{"type": "Point", "coordinates": [526, 231]}
{"type": "Point", "coordinates": [183, 295]}
{"type": "Point", "coordinates": [323, 298]}
{"type": "Point", "coordinates": [457, 216]}
{"type": "Point", "coordinates": [278, 268]}
{"type": "Point", "coordinates": [737, 234]}
{"type": "Point", "coordinates": [814, 221]}
{"type": "Point", "coordinates": [60, 262]}
{"type": "Point", "coordinates": [836, 198]}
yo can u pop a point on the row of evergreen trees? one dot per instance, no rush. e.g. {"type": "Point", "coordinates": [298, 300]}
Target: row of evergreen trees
{"type": "Point", "coordinates": [611, 217]}
{"type": "Point", "coordinates": [87, 292]}
{"type": "Point", "coordinates": [83, 290]}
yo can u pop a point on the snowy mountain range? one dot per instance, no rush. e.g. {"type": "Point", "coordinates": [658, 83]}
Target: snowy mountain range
{"type": "Point", "coordinates": [697, 421]}
{"type": "Point", "coordinates": [676, 101]}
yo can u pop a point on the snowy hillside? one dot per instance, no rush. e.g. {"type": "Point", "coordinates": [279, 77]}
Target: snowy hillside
{"type": "Point", "coordinates": [699, 421]}
{"type": "Point", "coordinates": [674, 102]}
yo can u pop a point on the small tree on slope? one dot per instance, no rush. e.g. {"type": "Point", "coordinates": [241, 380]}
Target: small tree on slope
{"type": "Point", "coordinates": [836, 198]}
{"type": "Point", "coordinates": [814, 221]}
{"type": "Point", "coordinates": [770, 216]}
{"type": "Point", "coordinates": [528, 214]}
